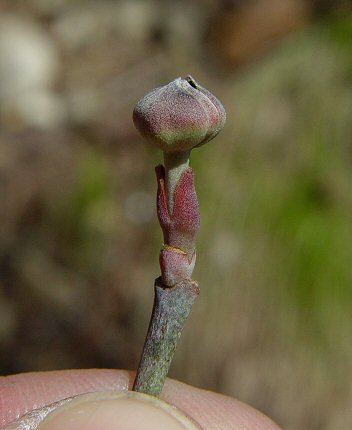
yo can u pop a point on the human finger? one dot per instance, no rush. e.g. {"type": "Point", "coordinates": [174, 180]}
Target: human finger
{"type": "Point", "coordinates": [22, 393]}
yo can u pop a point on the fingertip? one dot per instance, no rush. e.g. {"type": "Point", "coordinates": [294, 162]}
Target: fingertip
{"type": "Point", "coordinates": [216, 411]}
{"type": "Point", "coordinates": [116, 411]}
{"type": "Point", "coordinates": [21, 394]}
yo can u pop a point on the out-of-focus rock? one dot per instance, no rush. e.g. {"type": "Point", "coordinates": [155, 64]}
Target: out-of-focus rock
{"type": "Point", "coordinates": [100, 45]}
{"type": "Point", "coordinates": [49, 8]}
{"type": "Point", "coordinates": [131, 20]}
{"type": "Point", "coordinates": [29, 66]}
{"type": "Point", "coordinates": [136, 19]}
{"type": "Point", "coordinates": [28, 58]}
{"type": "Point", "coordinates": [240, 35]}
{"type": "Point", "coordinates": [41, 109]}
{"type": "Point", "coordinates": [181, 28]}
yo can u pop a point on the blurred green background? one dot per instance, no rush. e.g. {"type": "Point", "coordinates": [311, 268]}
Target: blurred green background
{"type": "Point", "coordinates": [79, 239]}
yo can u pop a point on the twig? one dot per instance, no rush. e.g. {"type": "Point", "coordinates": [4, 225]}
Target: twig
{"type": "Point", "coordinates": [172, 306]}
{"type": "Point", "coordinates": [176, 118]}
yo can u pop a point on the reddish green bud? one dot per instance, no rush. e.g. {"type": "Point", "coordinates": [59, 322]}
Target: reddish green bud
{"type": "Point", "coordinates": [179, 116]}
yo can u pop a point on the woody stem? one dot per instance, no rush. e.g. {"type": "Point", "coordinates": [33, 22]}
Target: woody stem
{"type": "Point", "coordinates": [170, 311]}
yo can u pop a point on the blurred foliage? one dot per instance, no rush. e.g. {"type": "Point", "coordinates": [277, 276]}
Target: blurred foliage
{"type": "Point", "coordinates": [78, 217]}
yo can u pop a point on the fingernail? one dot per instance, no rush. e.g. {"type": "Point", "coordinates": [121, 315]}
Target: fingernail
{"type": "Point", "coordinates": [111, 411]}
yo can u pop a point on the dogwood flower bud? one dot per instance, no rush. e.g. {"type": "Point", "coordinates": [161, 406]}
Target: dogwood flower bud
{"type": "Point", "coordinates": [179, 116]}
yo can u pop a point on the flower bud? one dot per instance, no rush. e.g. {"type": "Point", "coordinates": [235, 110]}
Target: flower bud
{"type": "Point", "coordinates": [179, 116]}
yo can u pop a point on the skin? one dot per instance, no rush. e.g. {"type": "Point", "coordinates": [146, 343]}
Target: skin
{"type": "Point", "coordinates": [22, 393]}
